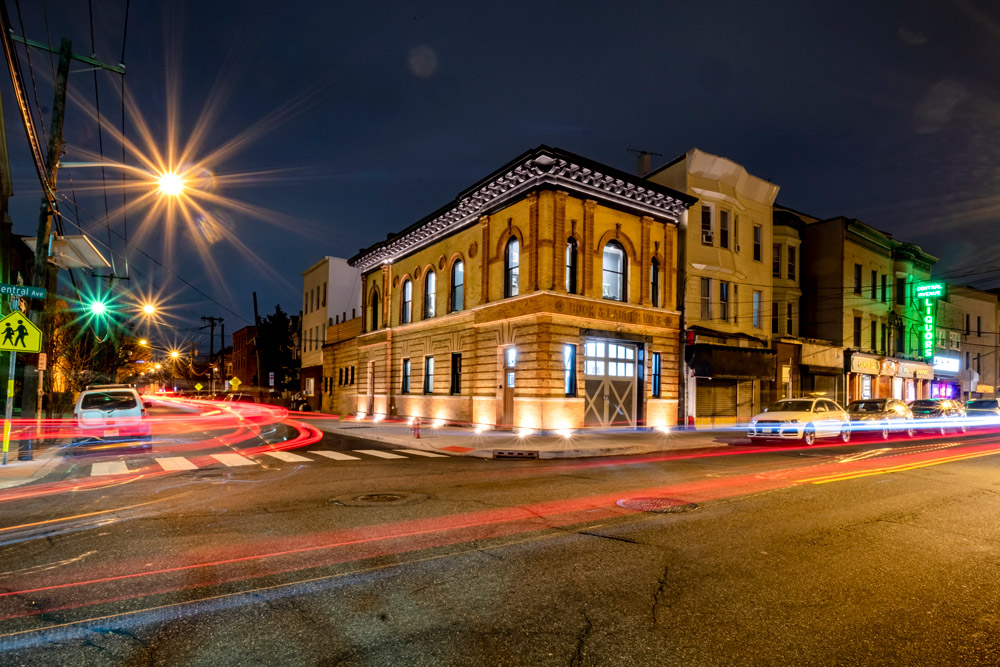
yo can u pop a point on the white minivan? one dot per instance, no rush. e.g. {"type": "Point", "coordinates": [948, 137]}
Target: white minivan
{"type": "Point", "coordinates": [112, 413]}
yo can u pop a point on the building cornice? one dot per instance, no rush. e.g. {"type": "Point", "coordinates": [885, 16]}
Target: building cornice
{"type": "Point", "coordinates": [538, 169]}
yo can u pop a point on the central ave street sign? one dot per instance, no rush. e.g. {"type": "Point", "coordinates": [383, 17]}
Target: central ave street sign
{"type": "Point", "coordinates": [26, 291]}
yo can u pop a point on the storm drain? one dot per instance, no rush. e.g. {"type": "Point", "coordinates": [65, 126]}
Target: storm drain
{"type": "Point", "coordinates": [658, 505]}
{"type": "Point", "coordinates": [514, 454]}
{"type": "Point", "coordinates": [377, 499]}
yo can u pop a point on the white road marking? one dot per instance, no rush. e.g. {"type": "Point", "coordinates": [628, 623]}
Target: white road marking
{"type": "Point", "coordinates": [862, 455]}
{"type": "Point", "coordinates": [233, 460]}
{"type": "Point", "coordinates": [337, 456]}
{"type": "Point", "coordinates": [108, 468]}
{"type": "Point", "coordinates": [420, 452]}
{"type": "Point", "coordinates": [379, 453]}
{"type": "Point", "coordinates": [176, 463]}
{"type": "Point", "coordinates": [288, 456]}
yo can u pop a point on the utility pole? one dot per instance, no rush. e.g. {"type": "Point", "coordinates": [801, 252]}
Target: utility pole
{"type": "Point", "coordinates": [256, 348]}
{"type": "Point", "coordinates": [44, 274]}
{"type": "Point", "coordinates": [212, 321]}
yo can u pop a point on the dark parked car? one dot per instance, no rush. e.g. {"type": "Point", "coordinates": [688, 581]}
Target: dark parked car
{"type": "Point", "coordinates": [983, 410]}
{"type": "Point", "coordinates": [939, 414]}
{"type": "Point", "coordinates": [881, 416]}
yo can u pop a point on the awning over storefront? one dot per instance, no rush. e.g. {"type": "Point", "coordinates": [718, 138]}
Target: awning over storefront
{"type": "Point", "coordinates": [730, 363]}
{"type": "Point", "coordinates": [813, 369]}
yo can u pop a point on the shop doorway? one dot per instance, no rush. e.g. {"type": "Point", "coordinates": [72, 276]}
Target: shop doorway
{"type": "Point", "coordinates": [610, 371]}
{"type": "Point", "coordinates": [509, 381]}
{"type": "Point", "coordinates": [370, 389]}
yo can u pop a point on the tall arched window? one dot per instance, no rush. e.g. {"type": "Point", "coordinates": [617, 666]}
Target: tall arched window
{"type": "Point", "coordinates": [571, 266]}
{"type": "Point", "coordinates": [373, 319]}
{"type": "Point", "coordinates": [430, 288]}
{"type": "Point", "coordinates": [457, 286]}
{"type": "Point", "coordinates": [406, 312]}
{"type": "Point", "coordinates": [613, 283]}
{"type": "Point", "coordinates": [654, 282]}
{"type": "Point", "coordinates": [512, 258]}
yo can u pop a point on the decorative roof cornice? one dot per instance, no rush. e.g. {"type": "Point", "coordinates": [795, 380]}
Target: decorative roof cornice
{"type": "Point", "coordinates": [539, 168]}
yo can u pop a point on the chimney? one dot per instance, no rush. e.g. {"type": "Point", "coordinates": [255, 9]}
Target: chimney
{"type": "Point", "coordinates": [642, 166]}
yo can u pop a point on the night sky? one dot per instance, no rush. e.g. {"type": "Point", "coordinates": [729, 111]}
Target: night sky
{"type": "Point", "coordinates": [353, 120]}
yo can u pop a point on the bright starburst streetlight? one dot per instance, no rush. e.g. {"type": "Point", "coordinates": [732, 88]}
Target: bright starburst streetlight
{"type": "Point", "coordinates": [149, 309]}
{"type": "Point", "coordinates": [171, 184]}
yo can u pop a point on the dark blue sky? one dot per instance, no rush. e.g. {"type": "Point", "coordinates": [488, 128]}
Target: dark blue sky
{"type": "Point", "coordinates": [887, 112]}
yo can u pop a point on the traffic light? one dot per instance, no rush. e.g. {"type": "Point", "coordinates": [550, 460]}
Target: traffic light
{"type": "Point", "coordinates": [97, 308]}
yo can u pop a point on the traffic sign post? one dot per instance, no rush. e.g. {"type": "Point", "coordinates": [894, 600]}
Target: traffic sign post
{"type": "Point", "coordinates": [23, 336]}
{"type": "Point", "coordinates": [235, 383]}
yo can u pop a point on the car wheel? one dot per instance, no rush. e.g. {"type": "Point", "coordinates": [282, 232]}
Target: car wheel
{"type": "Point", "coordinates": [885, 431]}
{"type": "Point", "coordinates": [809, 435]}
{"type": "Point", "coordinates": [845, 434]}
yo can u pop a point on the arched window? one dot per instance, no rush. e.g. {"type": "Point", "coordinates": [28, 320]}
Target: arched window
{"type": "Point", "coordinates": [571, 266]}
{"type": "Point", "coordinates": [374, 314]}
{"type": "Point", "coordinates": [512, 259]}
{"type": "Point", "coordinates": [654, 282]}
{"type": "Point", "coordinates": [430, 287]}
{"type": "Point", "coordinates": [406, 312]}
{"type": "Point", "coordinates": [613, 282]}
{"type": "Point", "coordinates": [457, 286]}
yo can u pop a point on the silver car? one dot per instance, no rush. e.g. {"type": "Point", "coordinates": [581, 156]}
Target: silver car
{"type": "Point", "coordinates": [881, 417]}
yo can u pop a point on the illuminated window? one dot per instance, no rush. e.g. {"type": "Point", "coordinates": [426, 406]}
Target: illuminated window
{"type": "Point", "coordinates": [707, 237]}
{"type": "Point", "coordinates": [613, 283]}
{"type": "Point", "coordinates": [656, 375]}
{"type": "Point", "coordinates": [512, 259]}
{"type": "Point", "coordinates": [430, 287]}
{"type": "Point", "coordinates": [457, 286]}
{"type": "Point", "coordinates": [757, 297]}
{"type": "Point", "coordinates": [428, 375]}
{"type": "Point", "coordinates": [569, 369]}
{"type": "Point", "coordinates": [406, 311]}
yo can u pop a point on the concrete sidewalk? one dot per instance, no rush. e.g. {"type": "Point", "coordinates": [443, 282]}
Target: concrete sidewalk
{"type": "Point", "coordinates": [16, 473]}
{"type": "Point", "coordinates": [509, 444]}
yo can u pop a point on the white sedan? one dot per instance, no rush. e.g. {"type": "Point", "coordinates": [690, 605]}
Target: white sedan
{"type": "Point", "coordinates": [804, 419]}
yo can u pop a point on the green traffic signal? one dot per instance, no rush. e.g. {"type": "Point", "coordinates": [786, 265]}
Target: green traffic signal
{"type": "Point", "coordinates": [97, 308]}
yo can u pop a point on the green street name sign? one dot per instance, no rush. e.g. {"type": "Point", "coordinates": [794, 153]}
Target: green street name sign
{"type": "Point", "coordinates": [23, 290]}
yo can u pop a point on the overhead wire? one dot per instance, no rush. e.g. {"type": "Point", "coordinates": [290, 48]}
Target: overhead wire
{"type": "Point", "coordinates": [124, 142]}
{"type": "Point", "coordinates": [100, 139]}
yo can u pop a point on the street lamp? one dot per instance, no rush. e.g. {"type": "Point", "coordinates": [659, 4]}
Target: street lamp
{"type": "Point", "coordinates": [149, 309]}
{"type": "Point", "coordinates": [171, 184]}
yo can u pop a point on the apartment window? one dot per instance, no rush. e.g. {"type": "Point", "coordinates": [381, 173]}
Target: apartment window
{"type": "Point", "coordinates": [305, 302]}
{"type": "Point", "coordinates": [942, 338]}
{"type": "Point", "coordinates": [571, 266]}
{"type": "Point", "coordinates": [979, 359]}
{"type": "Point", "coordinates": [569, 369]}
{"type": "Point", "coordinates": [968, 319]}
{"type": "Point", "coordinates": [654, 282]}
{"type": "Point", "coordinates": [310, 388]}
{"type": "Point", "coordinates": [512, 259]}
{"type": "Point", "coordinates": [857, 332]}
{"type": "Point", "coordinates": [758, 235]}
{"type": "Point", "coordinates": [774, 317]}
{"type": "Point", "coordinates": [955, 338]}
{"type": "Point", "coordinates": [900, 291]}
{"type": "Point", "coordinates": [352, 375]}
{"type": "Point", "coordinates": [775, 260]}
{"type": "Point", "coordinates": [406, 311]}
{"type": "Point", "coordinates": [457, 286]}
{"type": "Point", "coordinates": [706, 298]}
{"type": "Point", "coordinates": [613, 283]}
{"type": "Point", "coordinates": [340, 376]}
{"type": "Point", "coordinates": [857, 279]}
{"type": "Point", "coordinates": [736, 303]}
{"type": "Point", "coordinates": [374, 311]}
{"type": "Point", "coordinates": [656, 375]}
{"type": "Point", "coordinates": [885, 332]}
{"type": "Point", "coordinates": [405, 386]}
{"type": "Point", "coordinates": [323, 294]}
{"type": "Point", "coordinates": [874, 336]}
{"type": "Point", "coordinates": [885, 280]}
{"type": "Point", "coordinates": [736, 233]}
{"type": "Point", "coordinates": [723, 229]}
{"type": "Point", "coordinates": [430, 288]}
{"type": "Point", "coordinates": [724, 300]}
{"type": "Point", "coordinates": [789, 320]}
{"type": "Point", "coordinates": [791, 262]}
{"type": "Point", "coordinates": [706, 225]}
{"type": "Point", "coordinates": [456, 373]}
{"type": "Point", "coordinates": [428, 375]}
{"type": "Point", "coordinates": [757, 296]}
{"type": "Point", "coordinates": [874, 284]}
{"type": "Point", "coordinates": [979, 325]}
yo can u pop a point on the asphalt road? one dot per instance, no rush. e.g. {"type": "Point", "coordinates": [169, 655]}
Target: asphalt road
{"type": "Point", "coordinates": [867, 553]}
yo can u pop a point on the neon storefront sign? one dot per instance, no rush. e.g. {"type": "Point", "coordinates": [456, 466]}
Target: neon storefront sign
{"type": "Point", "coordinates": [927, 296]}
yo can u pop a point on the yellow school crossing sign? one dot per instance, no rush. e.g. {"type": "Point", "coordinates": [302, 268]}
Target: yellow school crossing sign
{"type": "Point", "coordinates": [19, 334]}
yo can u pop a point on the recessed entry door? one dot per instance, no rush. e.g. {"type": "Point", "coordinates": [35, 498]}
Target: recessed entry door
{"type": "Point", "coordinates": [610, 369]}
{"type": "Point", "coordinates": [370, 388]}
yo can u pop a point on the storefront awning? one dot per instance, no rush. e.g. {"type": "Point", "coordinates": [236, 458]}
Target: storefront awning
{"type": "Point", "coordinates": [813, 369]}
{"type": "Point", "coordinates": [730, 363]}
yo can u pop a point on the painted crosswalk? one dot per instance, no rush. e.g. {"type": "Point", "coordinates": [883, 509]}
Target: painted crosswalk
{"type": "Point", "coordinates": [232, 460]}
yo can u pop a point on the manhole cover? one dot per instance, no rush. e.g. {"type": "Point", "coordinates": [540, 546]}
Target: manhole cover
{"type": "Point", "coordinates": [659, 505]}
{"type": "Point", "coordinates": [376, 499]}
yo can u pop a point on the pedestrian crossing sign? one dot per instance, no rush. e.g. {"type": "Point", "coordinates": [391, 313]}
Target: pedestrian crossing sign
{"type": "Point", "coordinates": [19, 334]}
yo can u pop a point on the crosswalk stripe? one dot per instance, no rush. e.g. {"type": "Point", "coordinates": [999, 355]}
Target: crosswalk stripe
{"type": "Point", "coordinates": [288, 456]}
{"type": "Point", "coordinates": [420, 452]}
{"type": "Point", "coordinates": [176, 463]}
{"type": "Point", "coordinates": [337, 456]}
{"type": "Point", "coordinates": [233, 460]}
{"type": "Point", "coordinates": [379, 453]}
{"type": "Point", "coordinates": [108, 468]}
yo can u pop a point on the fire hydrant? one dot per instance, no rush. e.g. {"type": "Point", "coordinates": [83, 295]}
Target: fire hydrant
{"type": "Point", "coordinates": [415, 427]}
